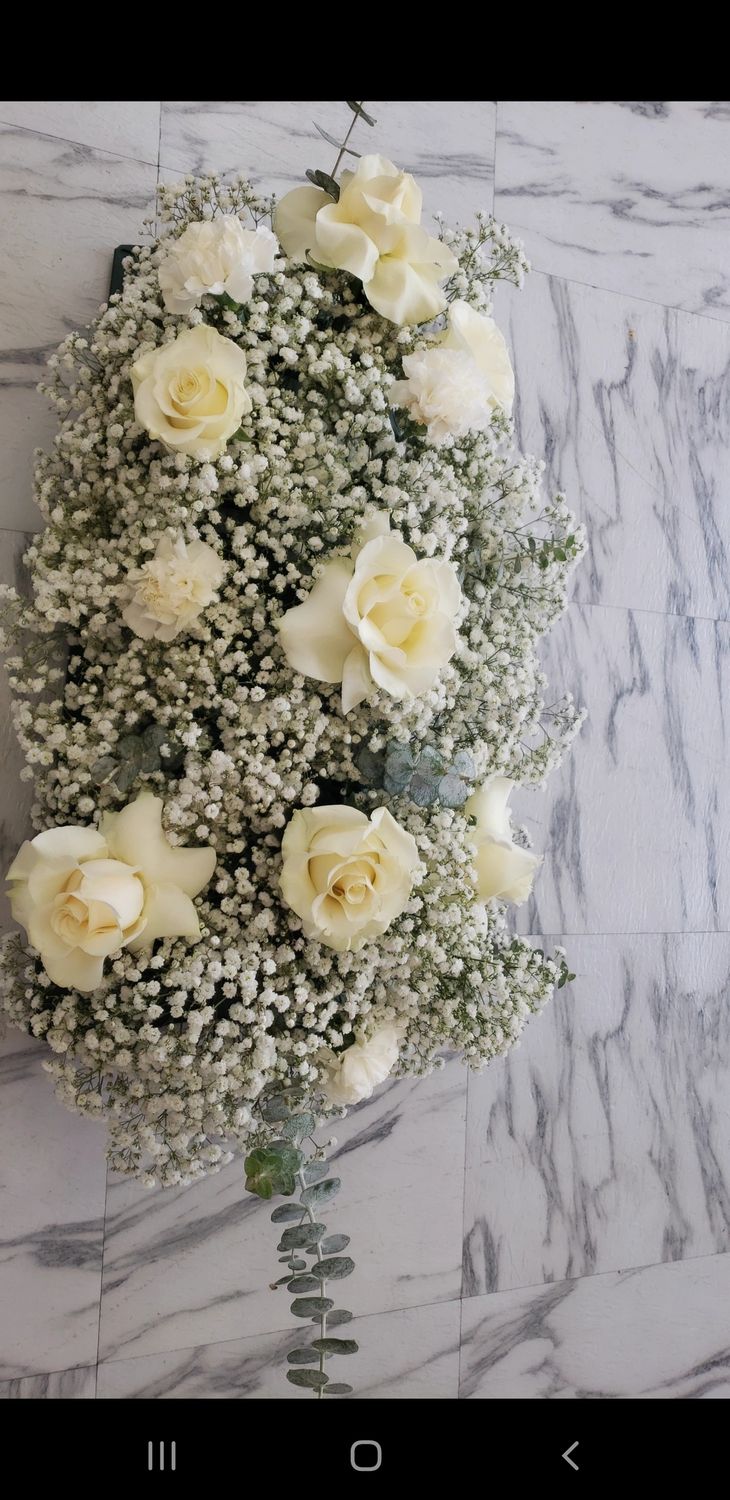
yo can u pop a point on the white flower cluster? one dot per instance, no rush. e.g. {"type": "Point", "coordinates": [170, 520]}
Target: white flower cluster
{"type": "Point", "coordinates": [192, 501]}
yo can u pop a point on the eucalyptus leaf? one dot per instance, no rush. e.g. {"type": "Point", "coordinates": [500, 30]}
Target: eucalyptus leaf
{"type": "Point", "coordinates": [312, 1380]}
{"type": "Point", "coordinates": [423, 790]}
{"type": "Point", "coordinates": [370, 764]}
{"type": "Point", "coordinates": [338, 145]}
{"type": "Point", "coordinates": [125, 777]}
{"type": "Point", "coordinates": [298, 1126]}
{"type": "Point", "coordinates": [314, 1171]}
{"type": "Point", "coordinates": [334, 1269]}
{"type": "Point", "coordinates": [286, 1213]}
{"type": "Point", "coordinates": [430, 762]}
{"type": "Point", "coordinates": [275, 1109]}
{"type": "Point", "coordinates": [324, 181]}
{"type": "Point", "coordinates": [463, 765]}
{"type": "Point", "coordinates": [302, 1356]}
{"type": "Point", "coordinates": [357, 109]}
{"type": "Point", "coordinates": [303, 1234]}
{"type": "Point", "coordinates": [311, 1307]}
{"type": "Point", "coordinates": [335, 1346]}
{"type": "Point", "coordinates": [452, 791]}
{"type": "Point", "coordinates": [272, 1169]}
{"type": "Point", "coordinates": [334, 1243]}
{"type": "Point", "coordinates": [320, 1192]}
{"type": "Point", "coordinates": [299, 1285]}
{"type": "Point", "coordinates": [339, 1390]}
{"type": "Point", "coordinates": [339, 1316]}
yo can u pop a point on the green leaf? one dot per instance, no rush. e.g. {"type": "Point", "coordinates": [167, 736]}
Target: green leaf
{"type": "Point", "coordinates": [339, 1316]}
{"type": "Point", "coordinates": [321, 1192]}
{"type": "Point", "coordinates": [286, 1213]}
{"type": "Point", "coordinates": [338, 145]}
{"type": "Point", "coordinates": [324, 181]}
{"type": "Point", "coordinates": [297, 1126]}
{"type": "Point", "coordinates": [336, 1346]}
{"type": "Point", "coordinates": [339, 1390]}
{"type": "Point", "coordinates": [357, 109]}
{"type": "Point", "coordinates": [314, 1171]}
{"type": "Point", "coordinates": [452, 791]}
{"type": "Point", "coordinates": [313, 1380]}
{"type": "Point", "coordinates": [301, 1284]}
{"type": "Point", "coordinates": [311, 1307]}
{"type": "Point", "coordinates": [275, 1109]}
{"type": "Point", "coordinates": [335, 1242]}
{"type": "Point", "coordinates": [272, 1169]}
{"type": "Point", "coordinates": [301, 1235]}
{"type": "Point", "coordinates": [302, 1356]}
{"type": "Point", "coordinates": [335, 1269]}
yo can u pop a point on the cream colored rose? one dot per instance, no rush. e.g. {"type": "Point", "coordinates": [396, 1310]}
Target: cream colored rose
{"type": "Point", "coordinates": [190, 394]}
{"type": "Point", "coordinates": [373, 231]}
{"type": "Point", "coordinates": [346, 875]}
{"type": "Point", "coordinates": [503, 868]}
{"type": "Point", "coordinates": [385, 619]}
{"type": "Point", "coordinates": [215, 255]}
{"type": "Point", "coordinates": [475, 334]}
{"type": "Point", "coordinates": [349, 1076]}
{"type": "Point", "coordinates": [82, 893]}
{"type": "Point", "coordinates": [446, 391]}
{"type": "Point", "coordinates": [172, 589]}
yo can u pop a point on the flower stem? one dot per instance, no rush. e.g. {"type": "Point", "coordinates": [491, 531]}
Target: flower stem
{"type": "Point", "coordinates": [343, 147]}
{"type": "Point", "coordinates": [319, 1392]}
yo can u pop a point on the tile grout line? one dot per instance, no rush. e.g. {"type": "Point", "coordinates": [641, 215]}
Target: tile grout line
{"type": "Point", "coordinates": [590, 286]}
{"type": "Point", "coordinates": [101, 1278]}
{"type": "Point", "coordinates": [66, 140]}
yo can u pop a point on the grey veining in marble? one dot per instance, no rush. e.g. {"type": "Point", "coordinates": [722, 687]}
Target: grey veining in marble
{"type": "Point", "coordinates": [635, 825]}
{"type": "Point", "coordinates": [52, 1177]}
{"type": "Point", "coordinates": [402, 1355]}
{"type": "Point", "coordinates": [62, 1385]}
{"type": "Point", "coordinates": [662, 1332]}
{"type": "Point", "coordinates": [629, 405]}
{"type": "Point", "coordinates": [111, 125]}
{"type": "Point", "coordinates": [602, 1141]}
{"type": "Point", "coordinates": [64, 208]}
{"type": "Point", "coordinates": [194, 1266]}
{"type": "Point", "coordinates": [633, 199]}
{"type": "Point", "coordinates": [447, 144]}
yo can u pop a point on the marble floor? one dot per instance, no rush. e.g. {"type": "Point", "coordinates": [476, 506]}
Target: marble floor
{"type": "Point", "coordinates": [558, 1227]}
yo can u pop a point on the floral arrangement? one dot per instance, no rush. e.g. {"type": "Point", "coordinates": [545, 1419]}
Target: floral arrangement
{"type": "Point", "coordinates": [274, 684]}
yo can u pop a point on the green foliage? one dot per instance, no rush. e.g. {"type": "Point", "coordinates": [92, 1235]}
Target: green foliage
{"type": "Point", "coordinates": [273, 1169]}
{"type": "Point", "coordinates": [311, 1307]}
{"type": "Point", "coordinates": [303, 1356]}
{"type": "Point", "coordinates": [339, 1390]}
{"type": "Point", "coordinates": [335, 1346]}
{"type": "Point", "coordinates": [321, 1192]}
{"type": "Point", "coordinates": [305, 1234]}
{"type": "Point", "coordinates": [311, 1379]}
{"type": "Point", "coordinates": [334, 1269]}
{"type": "Point", "coordinates": [425, 776]}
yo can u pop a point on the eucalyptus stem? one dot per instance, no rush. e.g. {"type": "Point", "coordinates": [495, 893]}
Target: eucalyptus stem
{"type": "Point", "coordinates": [343, 147]}
{"type": "Point", "coordinates": [319, 1392]}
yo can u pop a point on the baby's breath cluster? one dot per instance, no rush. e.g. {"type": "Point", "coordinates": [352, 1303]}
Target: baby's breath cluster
{"type": "Point", "coordinates": [178, 1042]}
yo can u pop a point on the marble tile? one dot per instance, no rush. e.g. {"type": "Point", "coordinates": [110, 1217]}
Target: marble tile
{"type": "Point", "coordinates": [602, 1141]}
{"type": "Point", "coordinates": [63, 1385]}
{"type": "Point", "coordinates": [64, 209]}
{"type": "Point", "coordinates": [116, 125]}
{"type": "Point", "coordinates": [447, 144]}
{"type": "Point", "coordinates": [193, 1266]}
{"type": "Point", "coordinates": [52, 1184]}
{"type": "Point", "coordinates": [629, 406]}
{"type": "Point", "coordinates": [635, 825]}
{"type": "Point", "coordinates": [633, 197]}
{"type": "Point", "coordinates": [402, 1356]}
{"type": "Point", "coordinates": [16, 796]}
{"type": "Point", "coordinates": [662, 1332]}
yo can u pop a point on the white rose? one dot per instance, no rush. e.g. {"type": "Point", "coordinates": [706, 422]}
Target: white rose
{"type": "Point", "coordinates": [503, 868]}
{"type": "Point", "coordinates": [83, 893]}
{"type": "Point", "coordinates": [215, 255]}
{"type": "Point", "coordinates": [171, 590]}
{"type": "Point", "coordinates": [346, 875]}
{"type": "Point", "coordinates": [373, 231]}
{"type": "Point", "coordinates": [446, 391]}
{"type": "Point", "coordinates": [384, 619]}
{"type": "Point", "coordinates": [190, 394]}
{"type": "Point", "coordinates": [352, 1075]}
{"type": "Point", "coordinates": [475, 334]}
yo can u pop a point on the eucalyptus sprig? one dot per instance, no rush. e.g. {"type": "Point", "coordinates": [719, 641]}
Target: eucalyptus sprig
{"type": "Point", "coordinates": [328, 180]}
{"type": "Point", "coordinates": [281, 1166]}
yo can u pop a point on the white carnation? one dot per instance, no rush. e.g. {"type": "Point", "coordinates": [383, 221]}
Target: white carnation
{"type": "Point", "coordinates": [446, 391]}
{"type": "Point", "coordinates": [353, 1074]}
{"type": "Point", "coordinates": [170, 591]}
{"type": "Point", "coordinates": [216, 255]}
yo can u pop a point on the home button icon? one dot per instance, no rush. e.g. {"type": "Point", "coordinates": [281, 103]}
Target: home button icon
{"type": "Point", "coordinates": [366, 1456]}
